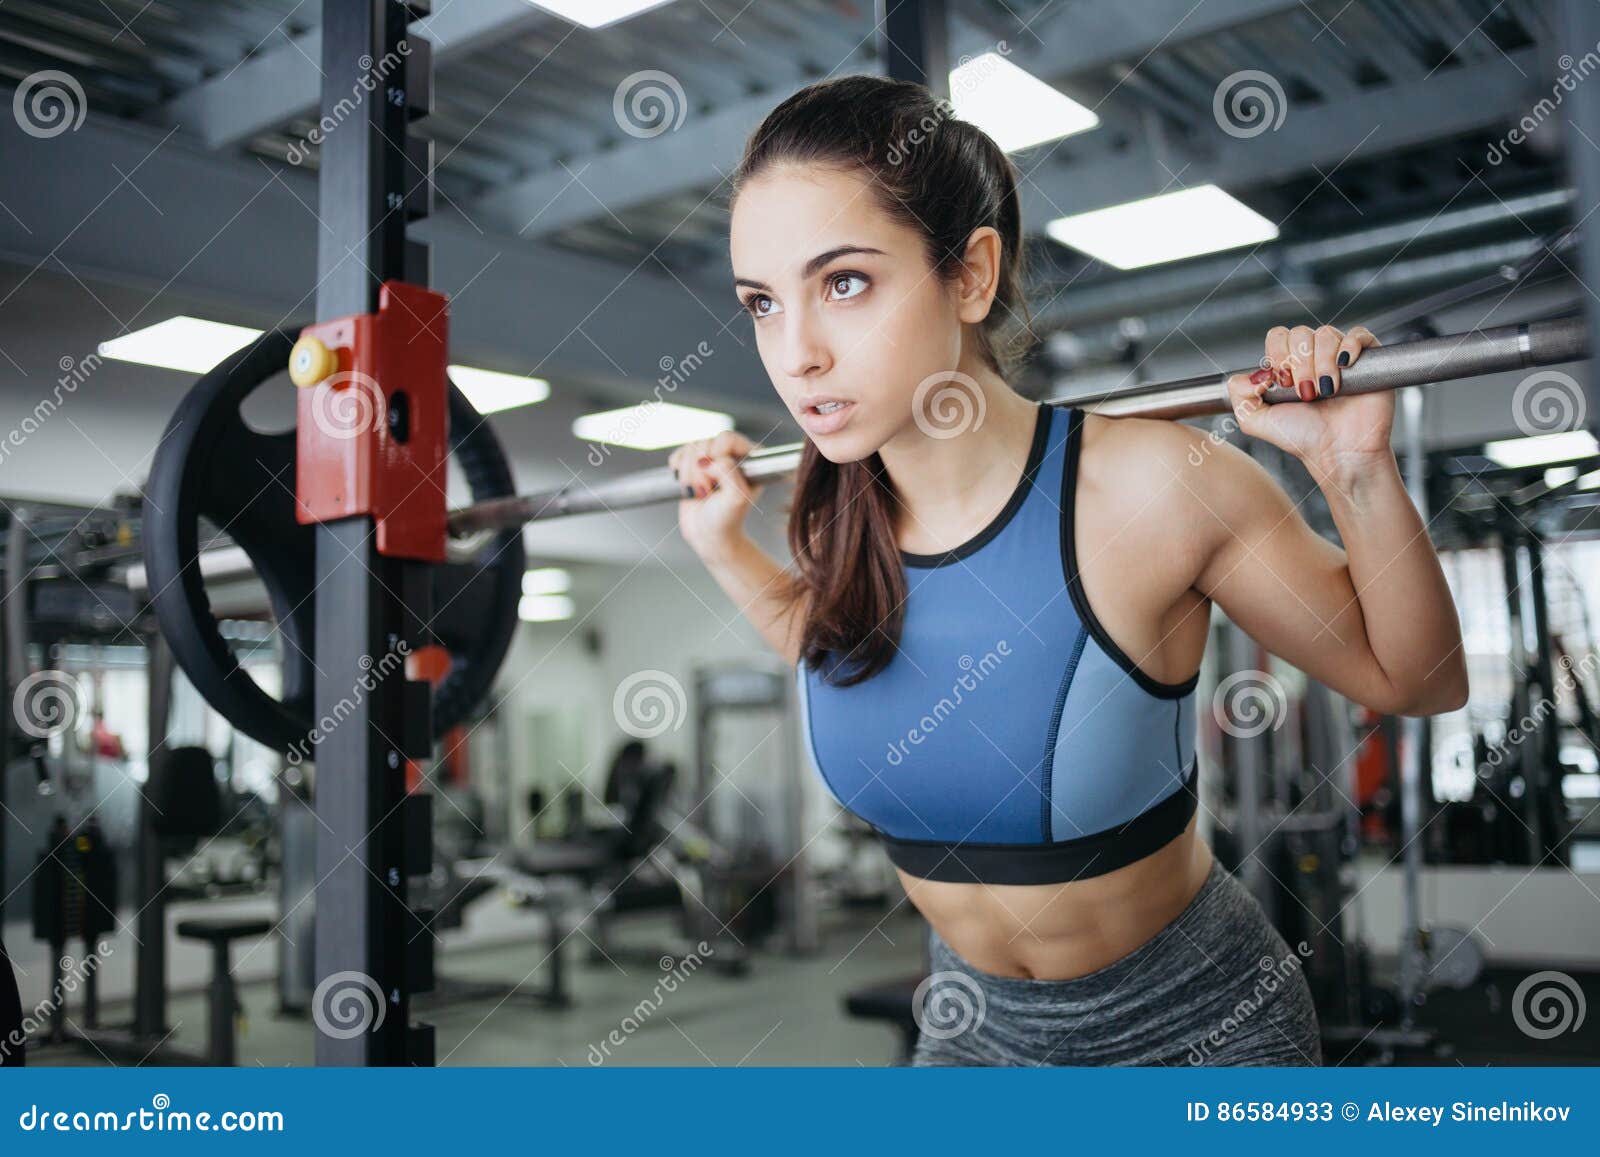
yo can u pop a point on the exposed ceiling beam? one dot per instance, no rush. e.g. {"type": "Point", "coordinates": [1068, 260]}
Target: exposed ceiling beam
{"type": "Point", "coordinates": [1319, 137]}
{"type": "Point", "coordinates": [284, 81]}
{"type": "Point", "coordinates": [118, 201]}
{"type": "Point", "coordinates": [1068, 39]}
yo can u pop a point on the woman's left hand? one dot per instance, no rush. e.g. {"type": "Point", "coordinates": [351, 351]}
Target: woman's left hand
{"type": "Point", "coordinates": [1323, 429]}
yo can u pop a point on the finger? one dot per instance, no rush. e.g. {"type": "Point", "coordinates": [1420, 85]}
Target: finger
{"type": "Point", "coordinates": [1357, 339]}
{"type": "Point", "coordinates": [724, 474]}
{"type": "Point", "coordinates": [1277, 351]}
{"type": "Point", "coordinates": [1245, 390]}
{"type": "Point", "coordinates": [1324, 360]}
{"type": "Point", "coordinates": [1302, 344]}
{"type": "Point", "coordinates": [727, 442]}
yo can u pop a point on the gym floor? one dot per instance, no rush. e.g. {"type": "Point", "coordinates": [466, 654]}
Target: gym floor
{"type": "Point", "coordinates": [784, 1010]}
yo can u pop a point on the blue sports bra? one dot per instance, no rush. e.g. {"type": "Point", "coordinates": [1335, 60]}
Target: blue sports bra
{"type": "Point", "coordinates": [1009, 740]}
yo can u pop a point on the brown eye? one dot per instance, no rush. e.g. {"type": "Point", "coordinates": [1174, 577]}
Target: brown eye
{"type": "Point", "coordinates": [839, 285]}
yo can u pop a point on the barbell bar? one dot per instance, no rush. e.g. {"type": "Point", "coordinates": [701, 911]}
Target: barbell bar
{"type": "Point", "coordinates": [1424, 362]}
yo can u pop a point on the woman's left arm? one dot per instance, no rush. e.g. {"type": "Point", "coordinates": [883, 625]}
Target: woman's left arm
{"type": "Point", "coordinates": [1374, 621]}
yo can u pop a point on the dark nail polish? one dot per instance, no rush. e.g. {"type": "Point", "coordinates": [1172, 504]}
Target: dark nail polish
{"type": "Point", "coordinates": [1260, 376]}
{"type": "Point", "coordinates": [1344, 358]}
{"type": "Point", "coordinates": [1307, 390]}
{"type": "Point", "coordinates": [1325, 386]}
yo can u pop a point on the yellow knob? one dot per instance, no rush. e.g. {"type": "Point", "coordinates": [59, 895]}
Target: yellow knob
{"type": "Point", "coordinates": [310, 362]}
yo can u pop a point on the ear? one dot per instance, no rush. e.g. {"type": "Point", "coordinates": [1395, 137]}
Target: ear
{"type": "Point", "coordinates": [980, 275]}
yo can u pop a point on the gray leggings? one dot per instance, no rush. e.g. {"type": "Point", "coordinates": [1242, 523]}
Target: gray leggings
{"type": "Point", "coordinates": [1216, 986]}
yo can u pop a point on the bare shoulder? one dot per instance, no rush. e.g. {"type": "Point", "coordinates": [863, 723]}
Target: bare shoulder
{"type": "Point", "coordinates": [1163, 491]}
{"type": "Point", "coordinates": [1170, 473]}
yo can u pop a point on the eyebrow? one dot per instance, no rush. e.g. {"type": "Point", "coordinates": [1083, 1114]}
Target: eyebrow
{"type": "Point", "coordinates": [812, 266]}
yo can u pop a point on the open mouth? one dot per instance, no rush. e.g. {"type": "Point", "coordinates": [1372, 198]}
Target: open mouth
{"type": "Point", "coordinates": [828, 407]}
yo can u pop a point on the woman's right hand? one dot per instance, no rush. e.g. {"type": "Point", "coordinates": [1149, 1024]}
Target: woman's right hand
{"type": "Point", "coordinates": [713, 519]}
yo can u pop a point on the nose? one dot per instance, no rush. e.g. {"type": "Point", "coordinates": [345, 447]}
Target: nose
{"type": "Point", "coordinates": [805, 350]}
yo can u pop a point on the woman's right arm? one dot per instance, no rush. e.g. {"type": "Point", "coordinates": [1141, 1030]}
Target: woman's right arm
{"type": "Point", "coordinates": [712, 523]}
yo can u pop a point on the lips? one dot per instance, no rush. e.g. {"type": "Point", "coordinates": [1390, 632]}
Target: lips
{"type": "Point", "coordinates": [828, 420]}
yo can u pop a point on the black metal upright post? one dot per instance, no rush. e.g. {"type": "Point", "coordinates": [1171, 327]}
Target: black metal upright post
{"type": "Point", "coordinates": [1581, 29]}
{"type": "Point", "coordinates": [914, 42]}
{"type": "Point", "coordinates": [366, 603]}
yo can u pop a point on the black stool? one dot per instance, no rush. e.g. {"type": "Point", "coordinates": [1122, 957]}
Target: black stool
{"type": "Point", "coordinates": [893, 1003]}
{"type": "Point", "coordinates": [220, 932]}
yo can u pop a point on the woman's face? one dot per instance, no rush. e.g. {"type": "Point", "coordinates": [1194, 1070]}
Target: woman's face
{"type": "Point", "coordinates": [848, 313]}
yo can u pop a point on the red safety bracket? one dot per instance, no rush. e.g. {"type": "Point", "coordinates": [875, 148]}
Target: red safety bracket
{"type": "Point", "coordinates": [373, 429]}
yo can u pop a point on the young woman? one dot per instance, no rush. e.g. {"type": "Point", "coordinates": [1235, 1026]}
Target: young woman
{"type": "Point", "coordinates": [998, 607]}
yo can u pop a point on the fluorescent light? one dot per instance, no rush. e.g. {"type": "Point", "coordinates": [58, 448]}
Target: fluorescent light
{"type": "Point", "coordinates": [544, 608]}
{"type": "Point", "coordinates": [1515, 452]}
{"type": "Point", "coordinates": [597, 13]}
{"type": "Point", "coordinates": [1168, 227]}
{"type": "Point", "coordinates": [190, 344]}
{"type": "Point", "coordinates": [1590, 481]}
{"type": "Point", "coordinates": [1559, 476]}
{"type": "Point", "coordinates": [489, 391]}
{"type": "Point", "coordinates": [1012, 105]}
{"type": "Point", "coordinates": [651, 425]}
{"type": "Point", "coordinates": [547, 580]}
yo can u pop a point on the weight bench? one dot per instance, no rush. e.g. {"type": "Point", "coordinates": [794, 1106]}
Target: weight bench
{"type": "Point", "coordinates": [220, 932]}
{"type": "Point", "coordinates": [890, 1002]}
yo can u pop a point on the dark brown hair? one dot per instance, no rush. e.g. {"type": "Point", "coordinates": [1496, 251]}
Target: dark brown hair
{"type": "Point", "coordinates": [944, 178]}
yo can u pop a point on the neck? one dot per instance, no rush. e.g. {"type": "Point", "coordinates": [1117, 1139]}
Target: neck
{"type": "Point", "coordinates": [963, 479]}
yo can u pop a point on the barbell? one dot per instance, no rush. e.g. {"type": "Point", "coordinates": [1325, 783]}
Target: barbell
{"type": "Point", "coordinates": [1428, 361]}
{"type": "Point", "coordinates": [211, 466]}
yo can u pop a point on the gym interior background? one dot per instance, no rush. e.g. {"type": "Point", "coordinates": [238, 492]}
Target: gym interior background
{"type": "Point", "coordinates": [632, 862]}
